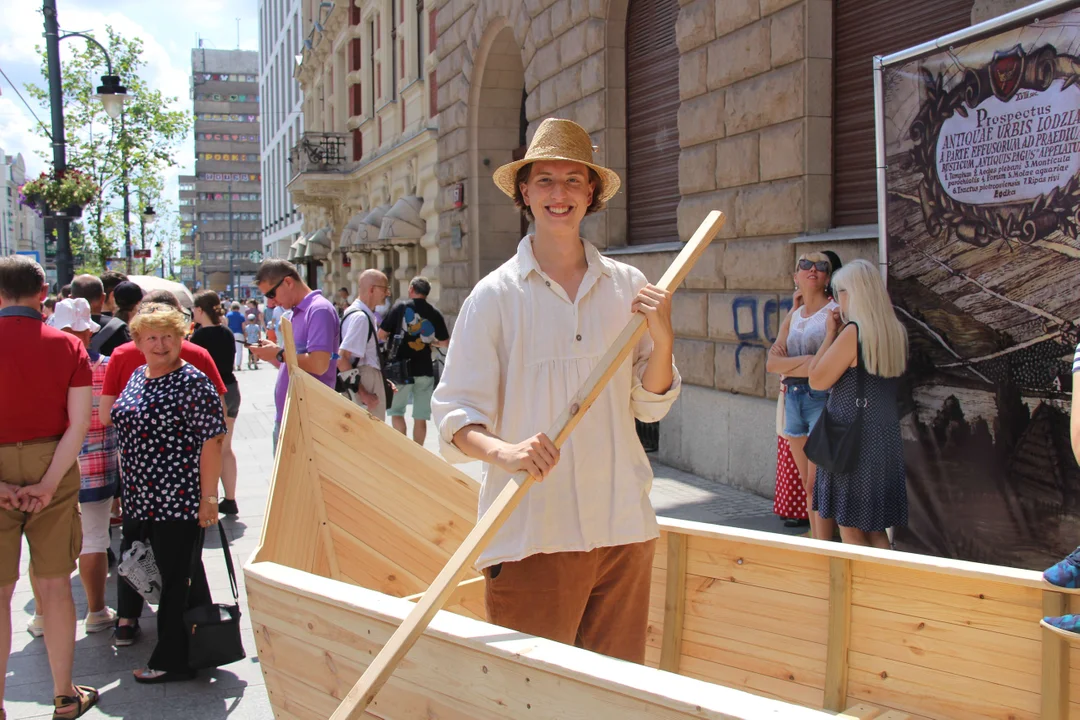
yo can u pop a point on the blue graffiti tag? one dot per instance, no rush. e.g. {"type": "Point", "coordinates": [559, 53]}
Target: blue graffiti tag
{"type": "Point", "coordinates": [773, 310]}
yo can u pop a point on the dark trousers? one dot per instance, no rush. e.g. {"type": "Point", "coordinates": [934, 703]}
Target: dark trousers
{"type": "Point", "coordinates": [173, 543]}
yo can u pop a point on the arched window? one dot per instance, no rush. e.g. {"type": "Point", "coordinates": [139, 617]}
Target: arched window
{"type": "Point", "coordinates": [652, 122]}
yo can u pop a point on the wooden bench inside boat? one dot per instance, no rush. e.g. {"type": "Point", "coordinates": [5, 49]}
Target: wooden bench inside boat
{"type": "Point", "coordinates": [819, 625]}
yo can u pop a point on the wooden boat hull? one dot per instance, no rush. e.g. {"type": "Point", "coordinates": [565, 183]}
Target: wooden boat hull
{"type": "Point", "coordinates": [758, 625]}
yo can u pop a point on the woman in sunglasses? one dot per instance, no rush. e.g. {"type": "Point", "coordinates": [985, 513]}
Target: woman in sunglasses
{"type": "Point", "coordinates": [800, 336]}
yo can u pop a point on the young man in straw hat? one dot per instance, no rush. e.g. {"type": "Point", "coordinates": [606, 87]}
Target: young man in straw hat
{"type": "Point", "coordinates": [573, 562]}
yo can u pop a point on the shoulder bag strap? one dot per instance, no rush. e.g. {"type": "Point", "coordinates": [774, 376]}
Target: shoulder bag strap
{"type": "Point", "coordinates": [105, 334]}
{"type": "Point", "coordinates": [196, 555]}
{"type": "Point", "coordinates": [860, 374]}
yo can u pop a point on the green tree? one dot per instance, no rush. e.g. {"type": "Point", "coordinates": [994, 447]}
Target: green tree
{"type": "Point", "coordinates": [142, 144]}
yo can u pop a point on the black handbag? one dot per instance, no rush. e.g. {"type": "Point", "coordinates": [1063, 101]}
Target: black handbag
{"type": "Point", "coordinates": [213, 630]}
{"type": "Point", "coordinates": [834, 444]}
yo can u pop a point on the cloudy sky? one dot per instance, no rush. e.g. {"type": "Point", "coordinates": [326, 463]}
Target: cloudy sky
{"type": "Point", "coordinates": [168, 30]}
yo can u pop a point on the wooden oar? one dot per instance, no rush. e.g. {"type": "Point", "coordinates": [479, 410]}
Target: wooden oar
{"type": "Point", "coordinates": [376, 675]}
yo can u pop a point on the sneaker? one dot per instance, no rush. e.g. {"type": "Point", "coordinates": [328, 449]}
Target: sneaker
{"type": "Point", "coordinates": [125, 635]}
{"type": "Point", "coordinates": [1066, 625]}
{"type": "Point", "coordinates": [98, 621]}
{"type": "Point", "coordinates": [36, 626]}
{"type": "Point", "coordinates": [1065, 574]}
{"type": "Point", "coordinates": [228, 507]}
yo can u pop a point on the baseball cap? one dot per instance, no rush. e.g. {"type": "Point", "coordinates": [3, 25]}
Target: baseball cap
{"type": "Point", "coordinates": [251, 317]}
{"type": "Point", "coordinates": [74, 313]}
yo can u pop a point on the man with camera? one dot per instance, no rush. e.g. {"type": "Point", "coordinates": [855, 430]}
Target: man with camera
{"type": "Point", "coordinates": [359, 352]}
{"type": "Point", "coordinates": [411, 329]}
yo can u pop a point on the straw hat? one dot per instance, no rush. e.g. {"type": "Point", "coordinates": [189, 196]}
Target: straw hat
{"type": "Point", "coordinates": [557, 139]}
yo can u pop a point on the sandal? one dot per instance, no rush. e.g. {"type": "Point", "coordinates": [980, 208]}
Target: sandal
{"type": "Point", "coordinates": [149, 676]}
{"type": "Point", "coordinates": [85, 697]}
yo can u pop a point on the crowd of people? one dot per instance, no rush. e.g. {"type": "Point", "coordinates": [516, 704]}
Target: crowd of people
{"type": "Point", "coordinates": [128, 403]}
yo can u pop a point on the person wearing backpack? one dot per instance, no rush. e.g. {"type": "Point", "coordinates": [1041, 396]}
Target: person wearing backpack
{"type": "Point", "coordinates": [113, 331]}
{"type": "Point", "coordinates": [359, 364]}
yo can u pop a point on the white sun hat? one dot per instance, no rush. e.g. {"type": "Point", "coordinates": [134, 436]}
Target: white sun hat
{"type": "Point", "coordinates": [74, 313]}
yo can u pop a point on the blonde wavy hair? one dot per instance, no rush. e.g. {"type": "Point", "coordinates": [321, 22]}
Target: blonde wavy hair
{"type": "Point", "coordinates": [158, 317]}
{"type": "Point", "coordinates": [884, 339]}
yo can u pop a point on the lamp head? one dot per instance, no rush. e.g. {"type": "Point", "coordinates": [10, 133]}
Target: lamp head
{"type": "Point", "coordinates": [148, 215]}
{"type": "Point", "coordinates": [112, 95]}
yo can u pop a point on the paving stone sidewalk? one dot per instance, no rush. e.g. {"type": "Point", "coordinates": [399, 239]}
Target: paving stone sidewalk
{"type": "Point", "coordinates": [238, 691]}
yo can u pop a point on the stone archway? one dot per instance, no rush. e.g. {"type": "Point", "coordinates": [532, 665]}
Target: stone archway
{"type": "Point", "coordinates": [496, 133]}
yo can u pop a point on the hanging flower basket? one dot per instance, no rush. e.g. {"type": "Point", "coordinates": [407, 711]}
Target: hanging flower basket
{"type": "Point", "coordinates": [61, 195]}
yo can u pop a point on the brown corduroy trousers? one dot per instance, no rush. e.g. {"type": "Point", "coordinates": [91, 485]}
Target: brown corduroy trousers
{"type": "Point", "coordinates": [597, 600]}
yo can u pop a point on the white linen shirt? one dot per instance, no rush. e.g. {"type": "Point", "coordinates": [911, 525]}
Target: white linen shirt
{"type": "Point", "coordinates": [520, 351]}
{"type": "Point", "coordinates": [355, 336]}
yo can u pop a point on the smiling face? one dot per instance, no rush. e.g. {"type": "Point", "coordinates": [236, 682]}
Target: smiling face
{"type": "Point", "coordinates": [161, 347]}
{"type": "Point", "coordinates": [558, 193]}
{"type": "Point", "coordinates": [812, 273]}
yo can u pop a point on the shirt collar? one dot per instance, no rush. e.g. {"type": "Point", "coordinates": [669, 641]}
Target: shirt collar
{"type": "Point", "coordinates": [304, 304]}
{"type": "Point", "coordinates": [527, 261]}
{"type": "Point", "coordinates": [359, 304]}
{"type": "Point", "coordinates": [20, 311]}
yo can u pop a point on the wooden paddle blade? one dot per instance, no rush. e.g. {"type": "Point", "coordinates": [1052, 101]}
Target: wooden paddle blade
{"type": "Point", "coordinates": [354, 704]}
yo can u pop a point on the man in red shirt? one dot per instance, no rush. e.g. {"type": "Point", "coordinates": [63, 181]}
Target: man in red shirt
{"type": "Point", "coordinates": [45, 375]}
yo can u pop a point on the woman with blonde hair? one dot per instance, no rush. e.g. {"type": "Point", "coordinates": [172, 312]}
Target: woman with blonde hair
{"type": "Point", "coordinates": [802, 331]}
{"type": "Point", "coordinates": [865, 344]}
{"type": "Point", "coordinates": [171, 427]}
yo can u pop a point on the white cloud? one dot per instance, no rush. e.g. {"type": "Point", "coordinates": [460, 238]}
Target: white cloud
{"type": "Point", "coordinates": [17, 134]}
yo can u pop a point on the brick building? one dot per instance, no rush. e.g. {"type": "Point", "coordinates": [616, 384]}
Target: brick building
{"type": "Point", "coordinates": [228, 206]}
{"type": "Point", "coordinates": [760, 108]}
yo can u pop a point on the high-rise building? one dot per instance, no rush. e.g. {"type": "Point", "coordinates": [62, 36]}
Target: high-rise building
{"type": "Point", "coordinates": [186, 204]}
{"type": "Point", "coordinates": [21, 229]}
{"type": "Point", "coordinates": [280, 41]}
{"type": "Point", "coordinates": [228, 204]}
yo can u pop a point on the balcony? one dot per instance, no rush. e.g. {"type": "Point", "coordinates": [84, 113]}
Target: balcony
{"type": "Point", "coordinates": [322, 153]}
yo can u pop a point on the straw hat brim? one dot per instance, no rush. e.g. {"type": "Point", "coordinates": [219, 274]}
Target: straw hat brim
{"type": "Point", "coordinates": [506, 175]}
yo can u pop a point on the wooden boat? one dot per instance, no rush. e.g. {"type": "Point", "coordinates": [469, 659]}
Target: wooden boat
{"type": "Point", "coordinates": [743, 624]}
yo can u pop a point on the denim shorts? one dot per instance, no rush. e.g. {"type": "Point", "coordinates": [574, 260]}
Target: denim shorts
{"type": "Point", "coordinates": [802, 408]}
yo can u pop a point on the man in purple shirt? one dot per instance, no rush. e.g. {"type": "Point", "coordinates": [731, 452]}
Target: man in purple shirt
{"type": "Point", "coordinates": [314, 324]}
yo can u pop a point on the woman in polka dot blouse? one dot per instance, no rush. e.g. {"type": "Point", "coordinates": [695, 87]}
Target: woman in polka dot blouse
{"type": "Point", "coordinates": [171, 427]}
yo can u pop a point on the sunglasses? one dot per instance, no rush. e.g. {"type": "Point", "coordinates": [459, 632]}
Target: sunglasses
{"type": "Point", "coordinates": [272, 292]}
{"type": "Point", "coordinates": [821, 265]}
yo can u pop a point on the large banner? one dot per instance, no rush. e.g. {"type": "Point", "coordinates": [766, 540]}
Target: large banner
{"type": "Point", "coordinates": [983, 204]}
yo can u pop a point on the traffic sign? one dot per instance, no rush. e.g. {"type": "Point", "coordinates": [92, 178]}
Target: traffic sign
{"type": "Point", "coordinates": [141, 253]}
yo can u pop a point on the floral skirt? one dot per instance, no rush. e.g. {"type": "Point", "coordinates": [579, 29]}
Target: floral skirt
{"type": "Point", "coordinates": [790, 498]}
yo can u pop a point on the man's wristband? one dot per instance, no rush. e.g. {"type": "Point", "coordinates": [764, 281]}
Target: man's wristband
{"type": "Point", "coordinates": [281, 355]}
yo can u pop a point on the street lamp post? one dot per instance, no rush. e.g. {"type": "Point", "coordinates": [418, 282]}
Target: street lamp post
{"type": "Point", "coordinates": [146, 219]}
{"type": "Point", "coordinates": [112, 95]}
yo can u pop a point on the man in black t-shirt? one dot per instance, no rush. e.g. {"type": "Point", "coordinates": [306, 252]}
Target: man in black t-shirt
{"type": "Point", "coordinates": [411, 328]}
{"type": "Point", "coordinates": [113, 331]}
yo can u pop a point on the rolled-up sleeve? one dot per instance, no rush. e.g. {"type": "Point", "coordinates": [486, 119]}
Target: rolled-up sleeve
{"type": "Point", "coordinates": [468, 391]}
{"type": "Point", "coordinates": [646, 406]}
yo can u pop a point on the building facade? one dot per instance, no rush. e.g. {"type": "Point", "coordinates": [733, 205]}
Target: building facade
{"type": "Point", "coordinates": [281, 110]}
{"type": "Point", "coordinates": [364, 169]}
{"type": "Point", "coordinates": [760, 108]}
{"type": "Point", "coordinates": [21, 230]}
{"type": "Point", "coordinates": [228, 194]}
{"type": "Point", "coordinates": [186, 211]}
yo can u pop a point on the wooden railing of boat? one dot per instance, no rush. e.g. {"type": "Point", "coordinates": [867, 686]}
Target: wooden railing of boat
{"type": "Point", "coordinates": [805, 625]}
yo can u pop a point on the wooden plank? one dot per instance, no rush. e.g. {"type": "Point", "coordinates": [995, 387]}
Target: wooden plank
{"type": "Point", "coordinates": [799, 573]}
{"type": "Point", "coordinates": [1009, 597]}
{"type": "Point", "coordinates": [491, 668]}
{"type": "Point", "coordinates": [898, 678]}
{"type": "Point", "coordinates": [763, 661]}
{"type": "Point", "coordinates": [375, 571]}
{"type": "Point", "coordinates": [862, 711]}
{"type": "Point", "coordinates": [946, 607]}
{"type": "Point", "coordinates": [710, 619]}
{"type": "Point", "coordinates": [674, 603]}
{"type": "Point", "coordinates": [976, 654]}
{"type": "Point", "coordinates": [1055, 661]}
{"type": "Point", "coordinates": [836, 661]}
{"type": "Point", "coordinates": [900, 694]}
{"type": "Point", "coordinates": [364, 692]}
{"type": "Point", "coordinates": [291, 532]}
{"type": "Point", "coordinates": [723, 634]}
{"type": "Point", "coordinates": [915, 638]}
{"type": "Point", "coordinates": [879, 558]}
{"type": "Point", "coordinates": [706, 595]}
{"type": "Point", "coordinates": [745, 680]}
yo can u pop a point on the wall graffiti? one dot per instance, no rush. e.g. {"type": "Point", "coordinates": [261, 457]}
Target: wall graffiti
{"type": "Point", "coordinates": [756, 321]}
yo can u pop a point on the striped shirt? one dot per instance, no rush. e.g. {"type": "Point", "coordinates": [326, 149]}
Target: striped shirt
{"type": "Point", "coordinates": [99, 465]}
{"type": "Point", "coordinates": [1076, 360]}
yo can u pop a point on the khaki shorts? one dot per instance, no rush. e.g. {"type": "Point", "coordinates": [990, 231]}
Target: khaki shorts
{"type": "Point", "coordinates": [55, 533]}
